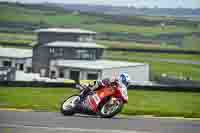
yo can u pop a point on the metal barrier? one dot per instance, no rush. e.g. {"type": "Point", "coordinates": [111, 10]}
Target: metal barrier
{"type": "Point", "coordinates": [72, 85]}
{"type": "Point", "coordinates": [176, 88]}
{"type": "Point", "coordinates": [35, 84]}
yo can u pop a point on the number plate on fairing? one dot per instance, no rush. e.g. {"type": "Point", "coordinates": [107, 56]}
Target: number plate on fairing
{"type": "Point", "coordinates": [93, 101]}
{"type": "Point", "coordinates": [96, 99]}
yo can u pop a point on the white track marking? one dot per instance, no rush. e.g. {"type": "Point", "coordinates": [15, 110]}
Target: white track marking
{"type": "Point", "coordinates": [69, 129]}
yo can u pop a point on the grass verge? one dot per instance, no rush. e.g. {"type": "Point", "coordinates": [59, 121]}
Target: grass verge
{"type": "Point", "coordinates": [171, 69]}
{"type": "Point", "coordinates": [157, 103]}
{"type": "Point", "coordinates": [153, 55]}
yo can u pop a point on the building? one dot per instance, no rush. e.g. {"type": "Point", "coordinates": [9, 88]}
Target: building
{"type": "Point", "coordinates": [98, 69]}
{"type": "Point", "coordinates": [21, 59]}
{"type": "Point", "coordinates": [13, 59]}
{"type": "Point", "coordinates": [73, 54]}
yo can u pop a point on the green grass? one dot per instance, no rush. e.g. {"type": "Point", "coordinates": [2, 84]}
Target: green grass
{"type": "Point", "coordinates": [192, 42]}
{"type": "Point", "coordinates": [25, 15]}
{"type": "Point", "coordinates": [34, 18]}
{"type": "Point", "coordinates": [153, 55]}
{"type": "Point", "coordinates": [171, 69]}
{"type": "Point", "coordinates": [163, 103]}
{"type": "Point", "coordinates": [17, 36]}
{"type": "Point", "coordinates": [33, 98]}
{"type": "Point", "coordinates": [158, 103]}
{"type": "Point", "coordinates": [16, 39]}
{"type": "Point", "coordinates": [189, 45]}
{"type": "Point", "coordinates": [15, 43]}
{"type": "Point", "coordinates": [143, 30]}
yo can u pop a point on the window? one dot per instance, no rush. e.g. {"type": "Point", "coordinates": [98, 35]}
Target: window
{"type": "Point", "coordinates": [28, 70]}
{"type": "Point", "coordinates": [51, 50]}
{"type": "Point", "coordinates": [21, 67]}
{"type": "Point", "coordinates": [92, 76]}
{"type": "Point", "coordinates": [61, 74]}
{"type": "Point", "coordinates": [42, 72]}
{"type": "Point", "coordinates": [74, 75]}
{"type": "Point", "coordinates": [53, 75]}
{"type": "Point", "coordinates": [7, 63]}
{"type": "Point", "coordinates": [56, 51]}
{"type": "Point", "coordinates": [85, 38]}
{"type": "Point", "coordinates": [82, 54]}
{"type": "Point", "coordinates": [59, 52]}
{"type": "Point", "coordinates": [85, 54]}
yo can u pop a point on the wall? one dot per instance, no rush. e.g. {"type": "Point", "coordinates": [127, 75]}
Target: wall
{"type": "Point", "coordinates": [42, 56]}
{"type": "Point", "coordinates": [138, 73]}
{"type": "Point", "coordinates": [27, 62]}
{"type": "Point", "coordinates": [83, 73]}
{"type": "Point", "coordinates": [71, 53]}
{"type": "Point", "coordinates": [21, 76]}
{"type": "Point", "coordinates": [46, 37]}
{"type": "Point", "coordinates": [40, 59]}
{"type": "Point", "coordinates": [13, 61]}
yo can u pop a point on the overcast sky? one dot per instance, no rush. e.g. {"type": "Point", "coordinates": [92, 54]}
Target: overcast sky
{"type": "Point", "coordinates": [136, 3]}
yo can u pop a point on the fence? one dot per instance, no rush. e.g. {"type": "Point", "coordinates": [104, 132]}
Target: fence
{"type": "Point", "coordinates": [177, 82]}
{"type": "Point", "coordinates": [72, 85]}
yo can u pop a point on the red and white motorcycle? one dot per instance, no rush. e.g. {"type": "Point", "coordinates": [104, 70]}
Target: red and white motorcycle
{"type": "Point", "coordinates": [105, 102]}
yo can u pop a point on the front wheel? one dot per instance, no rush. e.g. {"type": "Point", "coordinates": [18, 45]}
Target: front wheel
{"type": "Point", "coordinates": [111, 108]}
{"type": "Point", "coordinates": [68, 105]}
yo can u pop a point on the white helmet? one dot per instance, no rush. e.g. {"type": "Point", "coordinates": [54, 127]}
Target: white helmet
{"type": "Point", "coordinates": [124, 78]}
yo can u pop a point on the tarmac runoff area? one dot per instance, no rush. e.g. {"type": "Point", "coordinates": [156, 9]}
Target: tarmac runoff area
{"type": "Point", "coordinates": [26, 121]}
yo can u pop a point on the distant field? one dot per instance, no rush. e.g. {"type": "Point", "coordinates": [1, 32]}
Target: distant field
{"type": "Point", "coordinates": [96, 23]}
{"type": "Point", "coordinates": [54, 18]}
{"type": "Point", "coordinates": [125, 44]}
{"type": "Point", "coordinates": [16, 38]}
{"type": "Point", "coordinates": [143, 30]}
{"type": "Point", "coordinates": [189, 43]}
{"type": "Point", "coordinates": [24, 19]}
{"type": "Point", "coordinates": [157, 103]}
{"type": "Point", "coordinates": [172, 69]}
{"type": "Point", "coordinates": [153, 55]}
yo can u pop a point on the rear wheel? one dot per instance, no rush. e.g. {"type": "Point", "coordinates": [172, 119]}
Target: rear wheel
{"type": "Point", "coordinates": [68, 105]}
{"type": "Point", "coordinates": [111, 108]}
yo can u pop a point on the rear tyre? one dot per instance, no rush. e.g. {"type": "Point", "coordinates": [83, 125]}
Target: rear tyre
{"type": "Point", "coordinates": [109, 110]}
{"type": "Point", "coordinates": [68, 106]}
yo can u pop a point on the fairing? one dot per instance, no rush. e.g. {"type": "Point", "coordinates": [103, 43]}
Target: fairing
{"type": "Point", "coordinates": [95, 99]}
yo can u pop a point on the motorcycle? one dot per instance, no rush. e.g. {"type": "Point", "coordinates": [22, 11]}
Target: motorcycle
{"type": "Point", "coordinates": [105, 102]}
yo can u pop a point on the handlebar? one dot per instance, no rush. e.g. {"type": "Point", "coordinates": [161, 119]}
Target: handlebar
{"type": "Point", "coordinates": [81, 87]}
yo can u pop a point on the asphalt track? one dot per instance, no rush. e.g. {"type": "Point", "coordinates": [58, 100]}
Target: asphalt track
{"type": "Point", "coordinates": [48, 122]}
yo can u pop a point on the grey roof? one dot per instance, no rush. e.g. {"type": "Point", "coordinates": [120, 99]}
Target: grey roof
{"type": "Point", "coordinates": [74, 44]}
{"type": "Point", "coordinates": [64, 30]}
{"type": "Point", "coordinates": [95, 64]}
{"type": "Point", "coordinates": [15, 52]}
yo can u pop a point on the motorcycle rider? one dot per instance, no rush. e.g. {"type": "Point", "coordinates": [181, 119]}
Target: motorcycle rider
{"type": "Point", "coordinates": [122, 81]}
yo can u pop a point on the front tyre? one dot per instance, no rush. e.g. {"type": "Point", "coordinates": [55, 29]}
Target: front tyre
{"type": "Point", "coordinates": [111, 108]}
{"type": "Point", "coordinates": [68, 106]}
